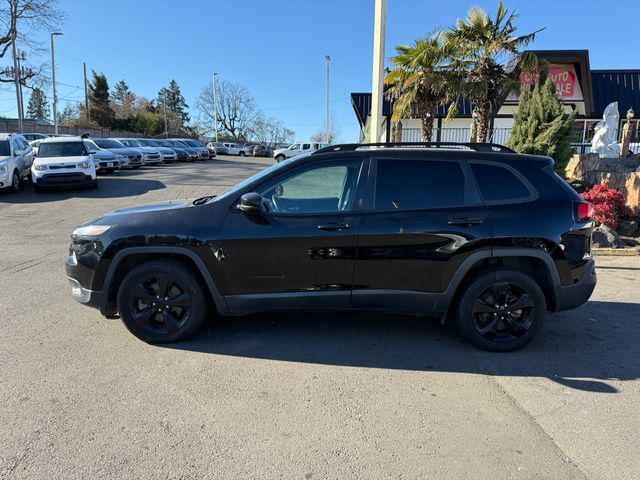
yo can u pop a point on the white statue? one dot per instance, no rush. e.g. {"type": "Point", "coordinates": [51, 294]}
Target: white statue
{"type": "Point", "coordinates": [604, 141]}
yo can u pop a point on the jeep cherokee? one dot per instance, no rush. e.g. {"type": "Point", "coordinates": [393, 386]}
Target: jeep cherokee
{"type": "Point", "coordinates": [476, 233]}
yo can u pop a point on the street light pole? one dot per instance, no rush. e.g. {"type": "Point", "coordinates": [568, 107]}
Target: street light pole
{"type": "Point", "coordinates": [164, 109]}
{"type": "Point", "coordinates": [53, 78]}
{"type": "Point", "coordinates": [215, 107]}
{"type": "Point", "coordinates": [328, 120]}
{"type": "Point", "coordinates": [377, 84]}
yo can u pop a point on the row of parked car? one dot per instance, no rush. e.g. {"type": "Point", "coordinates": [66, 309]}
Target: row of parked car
{"type": "Point", "coordinates": [66, 161]}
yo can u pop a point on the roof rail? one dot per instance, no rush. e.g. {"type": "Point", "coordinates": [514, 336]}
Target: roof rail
{"type": "Point", "coordinates": [476, 147]}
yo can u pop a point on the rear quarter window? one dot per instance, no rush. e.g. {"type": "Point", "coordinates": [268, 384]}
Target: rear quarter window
{"type": "Point", "coordinates": [499, 184]}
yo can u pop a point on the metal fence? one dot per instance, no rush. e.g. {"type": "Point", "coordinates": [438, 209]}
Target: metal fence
{"type": "Point", "coordinates": [10, 126]}
{"type": "Point", "coordinates": [457, 135]}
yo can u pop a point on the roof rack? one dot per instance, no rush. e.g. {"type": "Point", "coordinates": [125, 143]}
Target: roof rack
{"type": "Point", "coordinates": [476, 147]}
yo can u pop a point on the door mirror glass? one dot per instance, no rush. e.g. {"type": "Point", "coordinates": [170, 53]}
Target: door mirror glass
{"type": "Point", "coordinates": [251, 202]}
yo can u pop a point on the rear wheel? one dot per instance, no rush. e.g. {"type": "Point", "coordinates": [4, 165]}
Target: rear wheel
{"type": "Point", "coordinates": [242, 154]}
{"type": "Point", "coordinates": [161, 302]}
{"type": "Point", "coordinates": [501, 310]}
{"type": "Point", "coordinates": [280, 158]}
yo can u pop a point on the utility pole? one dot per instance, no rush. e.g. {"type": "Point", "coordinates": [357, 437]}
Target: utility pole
{"type": "Point", "coordinates": [16, 78]}
{"type": "Point", "coordinates": [328, 120]}
{"type": "Point", "coordinates": [53, 78]}
{"type": "Point", "coordinates": [164, 109]}
{"type": "Point", "coordinates": [377, 84]}
{"type": "Point", "coordinates": [86, 96]}
{"type": "Point", "coordinates": [215, 107]}
{"type": "Point", "coordinates": [23, 73]}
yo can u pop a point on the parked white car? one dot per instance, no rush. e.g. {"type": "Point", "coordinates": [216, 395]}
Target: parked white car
{"type": "Point", "coordinates": [16, 157]}
{"type": "Point", "coordinates": [234, 149]}
{"type": "Point", "coordinates": [63, 162]}
{"type": "Point", "coordinates": [297, 149]}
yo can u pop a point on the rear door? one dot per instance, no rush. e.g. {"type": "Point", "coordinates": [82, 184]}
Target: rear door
{"type": "Point", "coordinates": [424, 217]}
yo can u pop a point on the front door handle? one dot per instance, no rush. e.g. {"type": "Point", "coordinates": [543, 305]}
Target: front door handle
{"type": "Point", "coordinates": [333, 226]}
{"type": "Point", "coordinates": [465, 222]}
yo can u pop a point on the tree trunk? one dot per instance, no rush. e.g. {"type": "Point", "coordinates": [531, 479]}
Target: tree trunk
{"type": "Point", "coordinates": [483, 119]}
{"type": "Point", "coordinates": [428, 115]}
{"type": "Point", "coordinates": [397, 134]}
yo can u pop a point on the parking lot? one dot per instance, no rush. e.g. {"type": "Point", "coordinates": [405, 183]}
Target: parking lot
{"type": "Point", "coordinates": [305, 396]}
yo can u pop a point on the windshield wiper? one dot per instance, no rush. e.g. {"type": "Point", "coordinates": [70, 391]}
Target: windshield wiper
{"type": "Point", "coordinates": [203, 200]}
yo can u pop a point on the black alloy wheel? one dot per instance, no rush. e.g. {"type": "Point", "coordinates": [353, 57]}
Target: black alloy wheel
{"type": "Point", "coordinates": [501, 310]}
{"type": "Point", "coordinates": [161, 301]}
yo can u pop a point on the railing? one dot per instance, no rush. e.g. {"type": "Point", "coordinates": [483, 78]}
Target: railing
{"type": "Point", "coordinates": [458, 135]}
{"type": "Point", "coordinates": [9, 126]}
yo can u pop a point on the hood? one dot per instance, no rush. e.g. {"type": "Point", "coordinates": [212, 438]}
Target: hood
{"type": "Point", "coordinates": [123, 151]}
{"type": "Point", "coordinates": [71, 161]}
{"type": "Point", "coordinates": [104, 155]}
{"type": "Point", "coordinates": [150, 208]}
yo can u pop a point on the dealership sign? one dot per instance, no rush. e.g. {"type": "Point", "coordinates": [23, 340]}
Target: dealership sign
{"type": "Point", "coordinates": [564, 78]}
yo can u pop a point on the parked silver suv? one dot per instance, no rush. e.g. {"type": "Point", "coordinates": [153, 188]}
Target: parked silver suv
{"type": "Point", "coordinates": [16, 157]}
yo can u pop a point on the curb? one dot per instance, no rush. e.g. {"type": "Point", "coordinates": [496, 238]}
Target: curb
{"type": "Point", "coordinates": [617, 252]}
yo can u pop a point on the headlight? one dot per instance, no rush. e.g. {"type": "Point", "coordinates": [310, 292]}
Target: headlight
{"type": "Point", "coordinates": [90, 230]}
{"type": "Point", "coordinates": [3, 167]}
{"type": "Point", "coordinates": [40, 167]}
{"type": "Point", "coordinates": [83, 165]}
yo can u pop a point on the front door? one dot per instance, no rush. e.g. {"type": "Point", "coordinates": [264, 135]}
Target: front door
{"type": "Point", "coordinates": [423, 221]}
{"type": "Point", "coordinates": [299, 251]}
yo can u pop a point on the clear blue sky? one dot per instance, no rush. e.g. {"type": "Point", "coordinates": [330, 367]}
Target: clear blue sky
{"type": "Point", "coordinates": [276, 48]}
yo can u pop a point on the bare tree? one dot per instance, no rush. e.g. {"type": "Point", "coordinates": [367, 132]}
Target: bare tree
{"type": "Point", "coordinates": [236, 109]}
{"type": "Point", "coordinates": [330, 134]}
{"type": "Point", "coordinates": [19, 19]}
{"type": "Point", "coordinates": [270, 131]}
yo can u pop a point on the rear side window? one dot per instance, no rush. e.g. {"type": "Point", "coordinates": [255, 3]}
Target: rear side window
{"type": "Point", "coordinates": [497, 184]}
{"type": "Point", "coordinates": [418, 184]}
{"type": "Point", "coordinates": [5, 151]}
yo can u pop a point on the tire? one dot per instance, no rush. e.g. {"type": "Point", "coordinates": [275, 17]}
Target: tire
{"type": "Point", "coordinates": [15, 182]}
{"type": "Point", "coordinates": [485, 315]}
{"type": "Point", "coordinates": [242, 154]}
{"type": "Point", "coordinates": [153, 285]}
{"type": "Point", "coordinates": [280, 158]}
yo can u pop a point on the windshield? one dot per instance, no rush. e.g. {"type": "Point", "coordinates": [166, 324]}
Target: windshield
{"type": "Point", "coordinates": [5, 151]}
{"type": "Point", "coordinates": [62, 149]}
{"type": "Point", "coordinates": [165, 143]}
{"type": "Point", "coordinates": [90, 146]}
{"type": "Point", "coordinates": [193, 143]}
{"type": "Point", "coordinates": [236, 188]}
{"type": "Point", "coordinates": [108, 143]}
{"type": "Point", "coordinates": [131, 143]}
{"type": "Point", "coordinates": [175, 143]}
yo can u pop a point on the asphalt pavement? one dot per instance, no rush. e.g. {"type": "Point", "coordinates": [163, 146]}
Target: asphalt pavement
{"type": "Point", "coordinates": [295, 396]}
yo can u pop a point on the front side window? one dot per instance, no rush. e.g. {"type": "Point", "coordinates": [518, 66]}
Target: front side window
{"type": "Point", "coordinates": [498, 184]}
{"type": "Point", "coordinates": [5, 151]}
{"type": "Point", "coordinates": [62, 149]}
{"type": "Point", "coordinates": [418, 184]}
{"type": "Point", "coordinates": [319, 188]}
{"type": "Point", "coordinates": [295, 146]}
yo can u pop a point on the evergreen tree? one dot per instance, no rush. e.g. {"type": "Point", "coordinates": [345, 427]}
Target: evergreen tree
{"type": "Point", "coordinates": [38, 107]}
{"type": "Point", "coordinates": [174, 101]}
{"type": "Point", "coordinates": [123, 100]}
{"type": "Point", "coordinates": [541, 126]}
{"type": "Point", "coordinates": [100, 109]}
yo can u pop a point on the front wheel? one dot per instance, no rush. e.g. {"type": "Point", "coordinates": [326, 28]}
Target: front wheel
{"type": "Point", "coordinates": [242, 154]}
{"type": "Point", "coordinates": [161, 302]}
{"type": "Point", "coordinates": [15, 182]}
{"type": "Point", "coordinates": [501, 310]}
{"type": "Point", "coordinates": [280, 158]}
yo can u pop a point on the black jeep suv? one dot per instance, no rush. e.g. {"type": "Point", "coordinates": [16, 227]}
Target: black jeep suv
{"type": "Point", "coordinates": [473, 232]}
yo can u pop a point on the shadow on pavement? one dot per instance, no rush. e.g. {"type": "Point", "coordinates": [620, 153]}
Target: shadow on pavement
{"type": "Point", "coordinates": [581, 349]}
{"type": "Point", "coordinates": [112, 186]}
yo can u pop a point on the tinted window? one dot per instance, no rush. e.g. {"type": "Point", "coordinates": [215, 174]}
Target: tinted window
{"type": "Point", "coordinates": [497, 183]}
{"type": "Point", "coordinates": [327, 187]}
{"type": "Point", "coordinates": [5, 151]}
{"type": "Point", "coordinates": [409, 184]}
{"type": "Point", "coordinates": [62, 149]}
{"type": "Point", "coordinates": [107, 143]}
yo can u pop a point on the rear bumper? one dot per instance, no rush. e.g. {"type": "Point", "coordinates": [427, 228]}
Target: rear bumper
{"type": "Point", "coordinates": [572, 296]}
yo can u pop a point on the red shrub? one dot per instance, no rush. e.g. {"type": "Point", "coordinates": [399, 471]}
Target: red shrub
{"type": "Point", "coordinates": [609, 205]}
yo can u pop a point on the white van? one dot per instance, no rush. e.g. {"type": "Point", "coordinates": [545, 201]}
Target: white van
{"type": "Point", "coordinates": [296, 149]}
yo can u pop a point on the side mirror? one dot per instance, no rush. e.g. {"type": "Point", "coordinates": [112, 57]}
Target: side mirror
{"type": "Point", "coordinates": [251, 202]}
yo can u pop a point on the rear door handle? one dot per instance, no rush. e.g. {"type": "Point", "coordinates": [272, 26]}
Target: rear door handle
{"type": "Point", "coordinates": [465, 222]}
{"type": "Point", "coordinates": [333, 226]}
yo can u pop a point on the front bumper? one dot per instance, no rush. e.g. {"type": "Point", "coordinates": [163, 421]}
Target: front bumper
{"type": "Point", "coordinates": [108, 164]}
{"type": "Point", "coordinates": [5, 179]}
{"type": "Point", "coordinates": [90, 298]}
{"type": "Point", "coordinates": [572, 296]}
{"type": "Point", "coordinates": [63, 179]}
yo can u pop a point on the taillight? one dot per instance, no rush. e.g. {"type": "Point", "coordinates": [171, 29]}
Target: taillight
{"type": "Point", "coordinates": [585, 211]}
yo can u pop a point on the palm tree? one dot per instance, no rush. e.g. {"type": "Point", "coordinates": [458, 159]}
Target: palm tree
{"type": "Point", "coordinates": [421, 79]}
{"type": "Point", "coordinates": [491, 56]}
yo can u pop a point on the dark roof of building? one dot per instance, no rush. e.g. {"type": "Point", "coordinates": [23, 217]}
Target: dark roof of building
{"type": "Point", "coordinates": [622, 86]}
